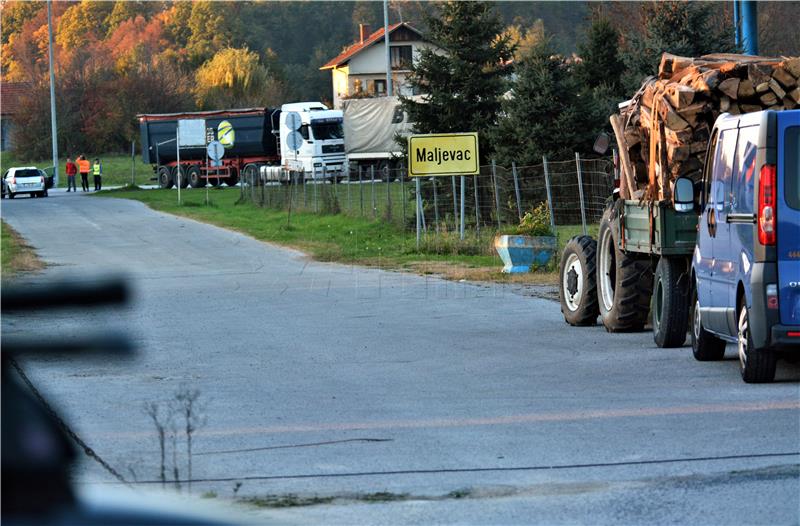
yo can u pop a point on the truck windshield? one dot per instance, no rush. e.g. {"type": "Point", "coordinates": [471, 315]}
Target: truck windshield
{"type": "Point", "coordinates": [326, 130]}
{"type": "Point", "coordinates": [792, 167]}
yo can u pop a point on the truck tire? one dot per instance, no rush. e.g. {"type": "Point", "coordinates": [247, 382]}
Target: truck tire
{"type": "Point", "coordinates": [670, 307]}
{"type": "Point", "coordinates": [756, 365]}
{"type": "Point", "coordinates": [577, 281]}
{"type": "Point", "coordinates": [183, 179]}
{"type": "Point", "coordinates": [705, 346]}
{"type": "Point", "coordinates": [165, 178]}
{"type": "Point", "coordinates": [624, 282]}
{"type": "Point", "coordinates": [251, 175]}
{"type": "Point", "coordinates": [195, 177]}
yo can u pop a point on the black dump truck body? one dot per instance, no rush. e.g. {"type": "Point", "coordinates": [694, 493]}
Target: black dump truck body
{"type": "Point", "coordinates": [253, 127]}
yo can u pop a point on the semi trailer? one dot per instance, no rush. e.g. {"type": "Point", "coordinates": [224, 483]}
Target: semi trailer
{"type": "Point", "coordinates": [256, 142]}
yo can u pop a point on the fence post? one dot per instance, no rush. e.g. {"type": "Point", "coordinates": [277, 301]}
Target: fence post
{"type": "Point", "coordinates": [435, 203]}
{"type": "Point", "coordinates": [477, 213]}
{"type": "Point", "coordinates": [403, 195]}
{"type": "Point", "coordinates": [418, 210]}
{"type": "Point", "coordinates": [372, 189]}
{"type": "Point", "coordinates": [388, 194]}
{"type": "Point", "coordinates": [580, 190]}
{"type": "Point", "coordinates": [496, 193]}
{"type": "Point", "coordinates": [349, 182]}
{"type": "Point", "coordinates": [463, 198]}
{"type": "Point", "coordinates": [549, 194]}
{"type": "Point", "coordinates": [455, 201]}
{"type": "Point", "coordinates": [516, 189]}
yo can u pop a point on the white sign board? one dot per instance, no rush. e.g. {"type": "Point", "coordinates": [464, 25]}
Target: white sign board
{"type": "Point", "coordinates": [191, 132]}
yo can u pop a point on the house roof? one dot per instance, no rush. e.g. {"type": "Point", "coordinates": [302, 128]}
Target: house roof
{"type": "Point", "coordinates": [349, 52]}
{"type": "Point", "coordinates": [10, 93]}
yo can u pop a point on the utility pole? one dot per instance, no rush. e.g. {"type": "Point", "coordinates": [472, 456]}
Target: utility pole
{"type": "Point", "coordinates": [388, 54]}
{"type": "Point", "coordinates": [53, 129]}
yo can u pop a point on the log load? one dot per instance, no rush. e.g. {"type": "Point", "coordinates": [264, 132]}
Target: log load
{"type": "Point", "coordinates": [663, 131]}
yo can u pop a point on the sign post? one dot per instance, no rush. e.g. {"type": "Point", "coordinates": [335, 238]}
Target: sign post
{"type": "Point", "coordinates": [443, 154]}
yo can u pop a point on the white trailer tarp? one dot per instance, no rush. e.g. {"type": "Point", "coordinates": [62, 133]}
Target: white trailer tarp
{"type": "Point", "coordinates": [370, 125]}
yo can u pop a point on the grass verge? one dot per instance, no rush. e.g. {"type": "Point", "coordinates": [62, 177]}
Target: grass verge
{"type": "Point", "coordinates": [17, 256]}
{"type": "Point", "coordinates": [346, 239]}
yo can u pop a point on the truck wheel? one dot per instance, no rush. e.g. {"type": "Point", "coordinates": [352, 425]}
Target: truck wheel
{"type": "Point", "coordinates": [179, 175]}
{"type": "Point", "coordinates": [233, 179]}
{"type": "Point", "coordinates": [624, 283]}
{"type": "Point", "coordinates": [705, 346]}
{"type": "Point", "coordinates": [756, 365]}
{"type": "Point", "coordinates": [165, 178]}
{"type": "Point", "coordinates": [195, 177]}
{"type": "Point", "coordinates": [670, 306]}
{"type": "Point", "coordinates": [577, 279]}
{"type": "Point", "coordinates": [251, 175]}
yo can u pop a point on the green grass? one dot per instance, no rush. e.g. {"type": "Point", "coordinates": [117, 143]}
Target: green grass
{"type": "Point", "coordinates": [116, 168]}
{"type": "Point", "coordinates": [342, 237]}
{"type": "Point", "coordinates": [16, 255]}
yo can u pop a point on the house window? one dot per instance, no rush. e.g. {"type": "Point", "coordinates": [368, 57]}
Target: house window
{"type": "Point", "coordinates": [400, 57]}
{"type": "Point", "coordinates": [358, 86]}
{"type": "Point", "coordinates": [380, 87]}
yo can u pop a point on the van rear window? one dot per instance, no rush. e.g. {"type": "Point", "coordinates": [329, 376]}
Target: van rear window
{"type": "Point", "coordinates": [27, 173]}
{"type": "Point", "coordinates": [791, 175]}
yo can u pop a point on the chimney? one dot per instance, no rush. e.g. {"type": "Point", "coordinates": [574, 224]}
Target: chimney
{"type": "Point", "coordinates": [363, 32]}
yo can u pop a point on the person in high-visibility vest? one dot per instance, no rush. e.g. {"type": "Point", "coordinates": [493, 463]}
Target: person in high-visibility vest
{"type": "Point", "coordinates": [97, 170]}
{"type": "Point", "coordinates": [83, 168]}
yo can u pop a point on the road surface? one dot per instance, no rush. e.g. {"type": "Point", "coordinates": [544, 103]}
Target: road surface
{"type": "Point", "coordinates": [354, 395]}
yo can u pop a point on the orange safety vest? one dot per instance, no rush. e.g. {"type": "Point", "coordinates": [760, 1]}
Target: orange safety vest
{"type": "Point", "coordinates": [84, 166]}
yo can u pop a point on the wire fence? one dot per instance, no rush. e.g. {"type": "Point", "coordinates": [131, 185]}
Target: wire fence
{"type": "Point", "coordinates": [494, 200]}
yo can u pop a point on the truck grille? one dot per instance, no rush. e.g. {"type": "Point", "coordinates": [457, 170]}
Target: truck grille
{"type": "Point", "coordinates": [332, 148]}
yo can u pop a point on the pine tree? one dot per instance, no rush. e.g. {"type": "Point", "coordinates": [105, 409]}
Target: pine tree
{"type": "Point", "coordinates": [683, 28]}
{"type": "Point", "coordinates": [600, 60]}
{"type": "Point", "coordinates": [463, 84]}
{"type": "Point", "coordinates": [547, 115]}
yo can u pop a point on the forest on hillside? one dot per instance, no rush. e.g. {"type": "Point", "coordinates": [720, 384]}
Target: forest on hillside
{"type": "Point", "coordinates": [115, 59]}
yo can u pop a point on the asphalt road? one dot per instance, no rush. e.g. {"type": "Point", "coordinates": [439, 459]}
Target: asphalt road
{"type": "Point", "coordinates": [404, 399]}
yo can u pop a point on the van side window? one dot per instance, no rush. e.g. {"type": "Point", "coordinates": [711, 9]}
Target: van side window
{"type": "Point", "coordinates": [744, 175]}
{"type": "Point", "coordinates": [721, 186]}
{"type": "Point", "coordinates": [791, 170]}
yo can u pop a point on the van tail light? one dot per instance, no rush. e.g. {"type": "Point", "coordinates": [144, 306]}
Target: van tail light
{"type": "Point", "coordinates": [767, 192]}
{"type": "Point", "coordinates": [13, 180]}
{"type": "Point", "coordinates": [41, 179]}
{"type": "Point", "coordinates": [772, 296]}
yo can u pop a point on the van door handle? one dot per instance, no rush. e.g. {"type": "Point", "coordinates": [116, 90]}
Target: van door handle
{"type": "Point", "coordinates": [742, 219]}
{"type": "Point", "coordinates": [712, 223]}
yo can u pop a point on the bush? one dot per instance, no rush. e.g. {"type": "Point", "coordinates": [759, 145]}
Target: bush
{"type": "Point", "coordinates": [535, 222]}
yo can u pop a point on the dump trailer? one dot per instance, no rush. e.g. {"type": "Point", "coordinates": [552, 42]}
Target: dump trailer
{"type": "Point", "coordinates": [639, 268]}
{"type": "Point", "coordinates": [255, 141]}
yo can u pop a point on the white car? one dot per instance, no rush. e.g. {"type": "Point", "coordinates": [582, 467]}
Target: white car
{"type": "Point", "coordinates": [25, 180]}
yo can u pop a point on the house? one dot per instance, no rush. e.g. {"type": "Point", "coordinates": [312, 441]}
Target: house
{"type": "Point", "coordinates": [10, 93]}
{"type": "Point", "coordinates": [360, 70]}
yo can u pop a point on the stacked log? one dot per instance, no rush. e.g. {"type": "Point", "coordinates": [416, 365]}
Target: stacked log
{"type": "Point", "coordinates": [663, 131]}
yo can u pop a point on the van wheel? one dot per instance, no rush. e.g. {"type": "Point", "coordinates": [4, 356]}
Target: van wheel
{"type": "Point", "coordinates": [165, 178]}
{"type": "Point", "coordinates": [756, 365]}
{"type": "Point", "coordinates": [705, 346]}
{"type": "Point", "coordinates": [577, 279]}
{"type": "Point", "coordinates": [670, 306]}
{"type": "Point", "coordinates": [624, 283]}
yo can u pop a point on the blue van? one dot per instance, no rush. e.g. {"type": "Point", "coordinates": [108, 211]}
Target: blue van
{"type": "Point", "coordinates": [746, 264]}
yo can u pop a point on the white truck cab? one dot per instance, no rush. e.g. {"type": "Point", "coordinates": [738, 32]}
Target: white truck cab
{"type": "Point", "coordinates": [321, 153]}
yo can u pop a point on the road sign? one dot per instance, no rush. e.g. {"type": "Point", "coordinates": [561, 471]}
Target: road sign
{"type": "Point", "coordinates": [293, 121]}
{"type": "Point", "coordinates": [215, 150]}
{"type": "Point", "coordinates": [191, 132]}
{"type": "Point", "coordinates": [443, 154]}
{"type": "Point", "coordinates": [294, 140]}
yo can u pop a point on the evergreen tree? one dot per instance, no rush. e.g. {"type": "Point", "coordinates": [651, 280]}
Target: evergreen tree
{"type": "Point", "coordinates": [547, 115]}
{"type": "Point", "coordinates": [462, 86]}
{"type": "Point", "coordinates": [683, 28]}
{"type": "Point", "coordinates": [600, 60]}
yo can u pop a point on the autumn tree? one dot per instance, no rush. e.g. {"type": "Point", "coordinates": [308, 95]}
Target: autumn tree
{"type": "Point", "coordinates": [236, 78]}
{"type": "Point", "coordinates": [213, 26]}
